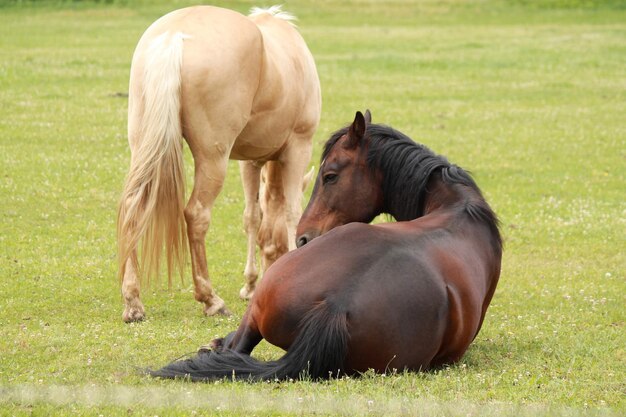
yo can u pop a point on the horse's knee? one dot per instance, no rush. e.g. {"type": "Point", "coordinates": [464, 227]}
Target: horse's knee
{"type": "Point", "coordinates": [252, 217]}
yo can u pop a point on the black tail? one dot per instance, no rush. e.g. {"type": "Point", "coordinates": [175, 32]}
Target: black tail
{"type": "Point", "coordinates": [318, 352]}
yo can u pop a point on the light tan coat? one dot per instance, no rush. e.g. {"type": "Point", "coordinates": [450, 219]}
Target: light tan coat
{"type": "Point", "coordinates": [234, 87]}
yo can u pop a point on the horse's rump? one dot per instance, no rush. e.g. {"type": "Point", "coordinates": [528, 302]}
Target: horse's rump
{"type": "Point", "coordinates": [237, 87]}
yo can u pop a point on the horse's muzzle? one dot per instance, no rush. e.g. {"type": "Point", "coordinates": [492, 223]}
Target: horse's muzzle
{"type": "Point", "coordinates": [305, 238]}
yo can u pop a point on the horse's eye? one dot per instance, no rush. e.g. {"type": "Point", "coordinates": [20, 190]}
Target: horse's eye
{"type": "Point", "coordinates": [330, 178]}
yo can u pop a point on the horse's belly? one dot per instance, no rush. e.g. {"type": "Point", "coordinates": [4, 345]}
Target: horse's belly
{"type": "Point", "coordinates": [261, 141]}
{"type": "Point", "coordinates": [261, 150]}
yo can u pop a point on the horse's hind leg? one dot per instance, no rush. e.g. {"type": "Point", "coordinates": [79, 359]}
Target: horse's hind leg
{"type": "Point", "coordinates": [250, 174]}
{"type": "Point", "coordinates": [133, 308]}
{"type": "Point", "coordinates": [210, 171]}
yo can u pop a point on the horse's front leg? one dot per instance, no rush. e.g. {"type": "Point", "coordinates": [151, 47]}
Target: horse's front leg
{"type": "Point", "coordinates": [272, 234]}
{"type": "Point", "coordinates": [250, 178]}
{"type": "Point", "coordinates": [295, 160]}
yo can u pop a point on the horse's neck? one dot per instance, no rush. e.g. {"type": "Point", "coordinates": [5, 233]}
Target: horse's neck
{"type": "Point", "coordinates": [463, 201]}
{"type": "Point", "coordinates": [408, 203]}
{"type": "Point", "coordinates": [440, 195]}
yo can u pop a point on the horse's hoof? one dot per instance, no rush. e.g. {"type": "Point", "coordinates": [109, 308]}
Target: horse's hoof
{"type": "Point", "coordinates": [224, 311]}
{"type": "Point", "coordinates": [216, 345]}
{"type": "Point", "coordinates": [206, 348]}
{"type": "Point", "coordinates": [133, 314]}
{"type": "Point", "coordinates": [246, 292]}
{"type": "Point", "coordinates": [217, 307]}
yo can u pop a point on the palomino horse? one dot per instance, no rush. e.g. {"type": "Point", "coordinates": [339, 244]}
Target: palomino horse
{"type": "Point", "coordinates": [405, 295]}
{"type": "Point", "coordinates": [233, 87]}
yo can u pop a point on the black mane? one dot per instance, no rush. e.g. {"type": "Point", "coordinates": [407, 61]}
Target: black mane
{"type": "Point", "coordinates": [407, 168]}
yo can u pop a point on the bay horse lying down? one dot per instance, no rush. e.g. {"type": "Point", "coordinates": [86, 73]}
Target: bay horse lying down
{"type": "Point", "coordinates": [406, 295]}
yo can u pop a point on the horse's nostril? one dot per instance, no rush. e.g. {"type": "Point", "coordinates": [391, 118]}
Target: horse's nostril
{"type": "Point", "coordinates": [302, 240]}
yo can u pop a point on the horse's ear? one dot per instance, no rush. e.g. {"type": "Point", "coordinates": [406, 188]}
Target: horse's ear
{"type": "Point", "coordinates": [356, 132]}
{"type": "Point", "coordinates": [368, 117]}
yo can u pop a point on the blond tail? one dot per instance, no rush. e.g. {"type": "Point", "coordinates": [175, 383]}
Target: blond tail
{"type": "Point", "coordinates": [152, 203]}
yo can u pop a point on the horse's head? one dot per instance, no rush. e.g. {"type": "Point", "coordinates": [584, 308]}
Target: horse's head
{"type": "Point", "coordinates": [346, 189]}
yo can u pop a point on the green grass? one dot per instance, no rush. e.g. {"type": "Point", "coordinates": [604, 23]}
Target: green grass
{"type": "Point", "coordinates": [530, 98]}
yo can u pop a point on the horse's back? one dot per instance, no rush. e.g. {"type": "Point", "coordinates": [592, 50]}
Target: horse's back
{"type": "Point", "coordinates": [293, 61]}
{"type": "Point", "coordinates": [469, 285]}
{"type": "Point", "coordinates": [399, 317]}
{"type": "Point", "coordinates": [287, 104]}
{"type": "Point", "coordinates": [219, 73]}
{"type": "Point", "coordinates": [252, 79]}
{"type": "Point", "coordinates": [394, 300]}
{"type": "Point", "coordinates": [213, 35]}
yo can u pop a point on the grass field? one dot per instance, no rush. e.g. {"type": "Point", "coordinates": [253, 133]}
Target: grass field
{"type": "Point", "coordinates": [529, 96]}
